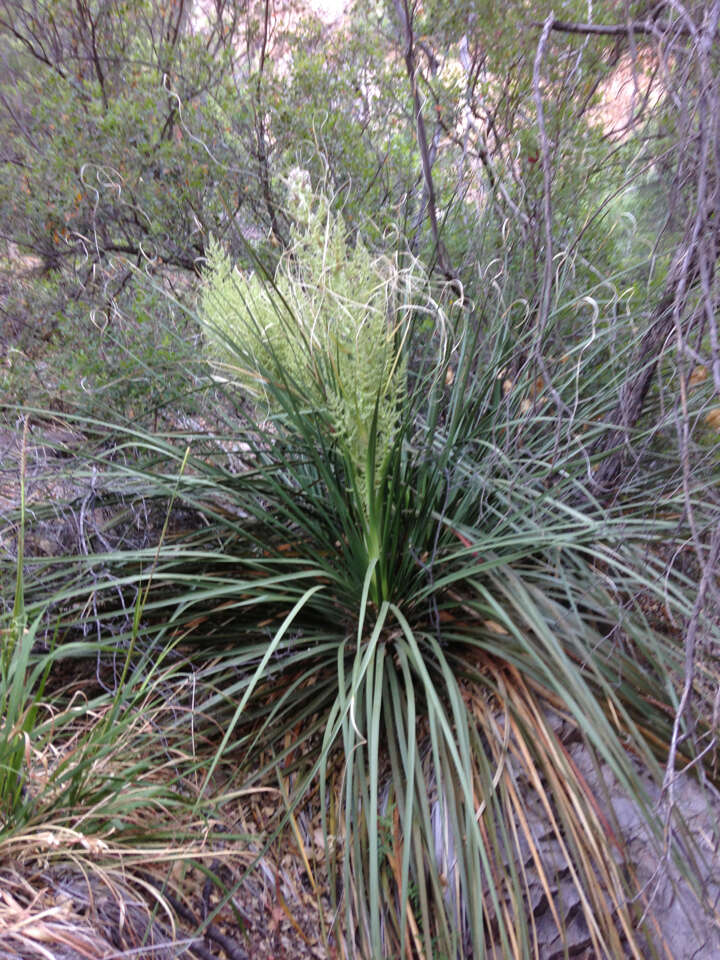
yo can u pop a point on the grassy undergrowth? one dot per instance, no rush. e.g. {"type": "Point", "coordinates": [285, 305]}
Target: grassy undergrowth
{"type": "Point", "coordinates": [107, 841]}
{"type": "Point", "coordinates": [422, 624]}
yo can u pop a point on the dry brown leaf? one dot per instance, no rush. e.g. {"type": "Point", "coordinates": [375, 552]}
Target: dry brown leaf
{"type": "Point", "coordinates": [713, 419]}
{"type": "Point", "coordinates": [699, 375]}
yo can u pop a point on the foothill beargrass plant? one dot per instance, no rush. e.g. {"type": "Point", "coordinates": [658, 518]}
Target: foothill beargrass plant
{"type": "Point", "coordinates": [405, 594]}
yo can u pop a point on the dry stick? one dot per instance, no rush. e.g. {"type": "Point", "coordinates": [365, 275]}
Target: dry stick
{"type": "Point", "coordinates": [423, 205]}
{"type": "Point", "coordinates": [547, 185]}
{"type": "Point", "coordinates": [708, 196]}
{"type": "Point", "coordinates": [706, 276]}
{"type": "Point", "coordinates": [666, 317]}
{"type": "Point", "coordinates": [210, 931]}
{"type": "Point", "coordinates": [547, 282]}
{"type": "Point", "coordinates": [262, 148]}
{"type": "Point", "coordinates": [706, 245]}
{"type": "Point", "coordinates": [482, 152]}
{"type": "Point", "coordinates": [694, 262]}
{"type": "Point", "coordinates": [690, 646]}
{"type": "Point", "coordinates": [698, 265]}
{"type": "Point", "coordinates": [647, 27]}
{"type": "Point", "coordinates": [405, 17]}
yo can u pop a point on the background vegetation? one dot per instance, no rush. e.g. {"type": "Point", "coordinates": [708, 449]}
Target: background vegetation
{"type": "Point", "coordinates": [359, 477]}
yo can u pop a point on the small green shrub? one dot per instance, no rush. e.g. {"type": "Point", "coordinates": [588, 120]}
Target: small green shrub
{"type": "Point", "coordinates": [127, 358]}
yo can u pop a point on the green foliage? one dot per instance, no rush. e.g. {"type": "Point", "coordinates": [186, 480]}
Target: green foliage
{"type": "Point", "coordinates": [406, 654]}
{"type": "Point", "coordinates": [144, 153]}
{"type": "Point", "coordinates": [104, 167]}
{"type": "Point", "coordinates": [68, 352]}
{"type": "Point", "coordinates": [398, 563]}
{"type": "Point", "coordinates": [329, 332]}
{"type": "Point", "coordinates": [21, 689]}
{"type": "Point", "coordinates": [343, 113]}
{"type": "Point", "coordinates": [78, 765]}
{"type": "Point", "coordinates": [18, 694]}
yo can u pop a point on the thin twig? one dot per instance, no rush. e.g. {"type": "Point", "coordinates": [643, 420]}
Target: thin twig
{"type": "Point", "coordinates": [547, 181]}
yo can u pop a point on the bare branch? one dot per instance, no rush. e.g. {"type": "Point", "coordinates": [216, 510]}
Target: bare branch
{"type": "Point", "coordinates": [648, 27]}
{"type": "Point", "coordinates": [547, 178]}
{"type": "Point", "coordinates": [405, 17]}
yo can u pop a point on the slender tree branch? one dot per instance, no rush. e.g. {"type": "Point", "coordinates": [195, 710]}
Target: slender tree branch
{"type": "Point", "coordinates": [405, 18]}
{"type": "Point", "coordinates": [648, 27]}
{"type": "Point", "coordinates": [547, 178]}
{"type": "Point", "coordinates": [261, 136]}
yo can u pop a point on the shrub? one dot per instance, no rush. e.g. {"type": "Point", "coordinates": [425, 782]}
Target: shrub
{"type": "Point", "coordinates": [428, 624]}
